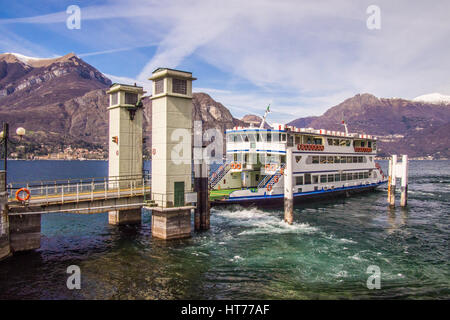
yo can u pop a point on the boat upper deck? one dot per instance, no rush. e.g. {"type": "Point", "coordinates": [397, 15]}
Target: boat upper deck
{"type": "Point", "coordinates": [281, 137]}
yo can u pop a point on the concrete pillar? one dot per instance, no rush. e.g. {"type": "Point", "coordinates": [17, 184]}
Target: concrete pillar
{"type": "Point", "coordinates": [404, 182]}
{"type": "Point", "coordinates": [125, 145]}
{"type": "Point", "coordinates": [392, 179]}
{"type": "Point", "coordinates": [25, 231]}
{"type": "Point", "coordinates": [288, 189]}
{"type": "Point", "coordinates": [171, 153]}
{"type": "Point", "coordinates": [123, 217]}
{"type": "Point", "coordinates": [171, 223]}
{"type": "Point", "coordinates": [5, 249]}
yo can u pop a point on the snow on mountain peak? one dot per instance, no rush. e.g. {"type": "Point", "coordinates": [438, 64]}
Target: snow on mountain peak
{"type": "Point", "coordinates": [434, 98]}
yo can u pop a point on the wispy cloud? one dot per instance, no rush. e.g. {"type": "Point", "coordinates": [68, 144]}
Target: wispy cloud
{"type": "Point", "coordinates": [302, 56]}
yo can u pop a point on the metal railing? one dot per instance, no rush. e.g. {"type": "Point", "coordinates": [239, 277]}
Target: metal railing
{"type": "Point", "coordinates": [81, 189]}
{"type": "Point", "coordinates": [269, 178]}
{"type": "Point", "coordinates": [217, 175]}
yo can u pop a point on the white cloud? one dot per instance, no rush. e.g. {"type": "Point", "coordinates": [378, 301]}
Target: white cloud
{"type": "Point", "coordinates": [302, 56]}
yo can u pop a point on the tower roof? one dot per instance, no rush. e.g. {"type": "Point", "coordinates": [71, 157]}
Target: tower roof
{"type": "Point", "coordinates": [167, 72]}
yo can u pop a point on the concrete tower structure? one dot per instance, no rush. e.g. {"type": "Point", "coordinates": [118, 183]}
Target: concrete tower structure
{"type": "Point", "coordinates": [125, 144]}
{"type": "Point", "coordinates": [171, 136]}
{"type": "Point", "coordinates": [171, 152]}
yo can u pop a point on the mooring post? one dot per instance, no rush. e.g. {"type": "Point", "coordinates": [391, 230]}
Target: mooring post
{"type": "Point", "coordinates": [202, 211]}
{"type": "Point", "coordinates": [404, 183]}
{"type": "Point", "coordinates": [392, 179]}
{"type": "Point", "coordinates": [288, 191]}
{"type": "Point", "coordinates": [5, 249]}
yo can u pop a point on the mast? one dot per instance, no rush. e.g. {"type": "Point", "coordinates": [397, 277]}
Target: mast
{"type": "Point", "coordinates": [264, 118]}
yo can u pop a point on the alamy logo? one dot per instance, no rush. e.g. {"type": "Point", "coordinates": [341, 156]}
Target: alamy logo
{"type": "Point", "coordinates": [374, 20]}
{"type": "Point", "coordinates": [374, 280]}
{"type": "Point", "coordinates": [74, 280]}
{"type": "Point", "coordinates": [74, 20]}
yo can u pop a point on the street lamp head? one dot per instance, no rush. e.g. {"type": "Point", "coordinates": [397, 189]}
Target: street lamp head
{"type": "Point", "coordinates": [20, 132]}
{"type": "Point", "coordinates": [2, 135]}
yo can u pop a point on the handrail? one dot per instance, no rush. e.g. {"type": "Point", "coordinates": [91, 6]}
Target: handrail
{"type": "Point", "coordinates": [264, 182]}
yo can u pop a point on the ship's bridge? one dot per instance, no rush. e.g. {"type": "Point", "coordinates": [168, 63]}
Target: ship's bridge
{"type": "Point", "coordinates": [254, 140]}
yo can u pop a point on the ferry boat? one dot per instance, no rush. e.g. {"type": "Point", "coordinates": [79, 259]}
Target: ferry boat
{"type": "Point", "coordinates": [325, 164]}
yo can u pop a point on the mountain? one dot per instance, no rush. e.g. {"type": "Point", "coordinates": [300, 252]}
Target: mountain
{"type": "Point", "coordinates": [62, 101]}
{"type": "Point", "coordinates": [403, 126]}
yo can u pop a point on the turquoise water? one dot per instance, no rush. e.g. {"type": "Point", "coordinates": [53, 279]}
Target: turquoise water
{"type": "Point", "coordinates": [248, 253]}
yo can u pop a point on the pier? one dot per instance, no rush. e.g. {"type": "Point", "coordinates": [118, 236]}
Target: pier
{"type": "Point", "coordinates": [167, 190]}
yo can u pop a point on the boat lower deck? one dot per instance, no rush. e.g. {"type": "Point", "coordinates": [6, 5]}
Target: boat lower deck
{"type": "Point", "coordinates": [221, 197]}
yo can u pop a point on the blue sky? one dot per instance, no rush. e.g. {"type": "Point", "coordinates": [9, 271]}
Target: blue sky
{"type": "Point", "coordinates": [301, 56]}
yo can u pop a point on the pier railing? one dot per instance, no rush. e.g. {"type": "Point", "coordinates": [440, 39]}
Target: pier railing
{"type": "Point", "coordinates": [77, 189]}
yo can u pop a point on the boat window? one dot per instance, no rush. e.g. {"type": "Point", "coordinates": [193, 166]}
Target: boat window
{"type": "Point", "coordinates": [370, 159]}
{"type": "Point", "coordinates": [330, 142]}
{"type": "Point", "coordinates": [283, 137]}
{"type": "Point", "coordinates": [343, 159]}
{"type": "Point", "coordinates": [342, 143]}
{"type": "Point", "coordinates": [299, 180]}
{"type": "Point", "coordinates": [315, 159]}
{"type": "Point", "coordinates": [369, 144]}
{"type": "Point", "coordinates": [355, 176]}
{"type": "Point", "coordinates": [360, 159]}
{"type": "Point", "coordinates": [323, 178]}
{"type": "Point", "coordinates": [308, 140]}
{"type": "Point", "coordinates": [366, 175]}
{"type": "Point", "coordinates": [307, 178]}
{"type": "Point", "coordinates": [343, 177]}
{"type": "Point", "coordinates": [375, 174]}
{"type": "Point", "coordinates": [315, 179]}
{"type": "Point", "coordinates": [298, 158]}
{"type": "Point", "coordinates": [336, 142]}
{"type": "Point", "coordinates": [374, 146]}
{"type": "Point", "coordinates": [337, 159]}
{"type": "Point", "coordinates": [331, 159]}
{"type": "Point", "coordinates": [330, 177]}
{"type": "Point", "coordinates": [245, 137]}
{"type": "Point", "coordinates": [235, 157]}
{"type": "Point", "coordinates": [349, 159]}
{"type": "Point", "coordinates": [258, 136]}
{"type": "Point", "coordinates": [363, 143]}
{"type": "Point", "coordinates": [323, 159]}
{"type": "Point", "coordinates": [269, 137]}
{"type": "Point", "coordinates": [297, 139]}
{"type": "Point", "coordinates": [355, 159]}
{"type": "Point", "coordinates": [348, 143]}
{"type": "Point", "coordinates": [299, 190]}
{"type": "Point", "coordinates": [337, 177]}
{"type": "Point", "coordinates": [361, 175]}
{"type": "Point", "coordinates": [318, 141]}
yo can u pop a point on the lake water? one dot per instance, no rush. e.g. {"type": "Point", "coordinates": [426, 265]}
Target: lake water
{"type": "Point", "coordinates": [248, 253]}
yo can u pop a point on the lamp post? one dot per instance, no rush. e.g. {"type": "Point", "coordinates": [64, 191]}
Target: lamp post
{"type": "Point", "coordinates": [4, 139]}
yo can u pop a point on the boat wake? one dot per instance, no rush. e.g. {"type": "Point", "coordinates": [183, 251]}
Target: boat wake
{"type": "Point", "coordinates": [256, 221]}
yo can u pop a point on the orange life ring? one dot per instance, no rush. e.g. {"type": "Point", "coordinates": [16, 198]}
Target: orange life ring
{"type": "Point", "coordinates": [19, 198]}
{"type": "Point", "coordinates": [275, 179]}
{"type": "Point", "coordinates": [238, 166]}
{"type": "Point", "coordinates": [269, 187]}
{"type": "Point", "coordinates": [233, 166]}
{"type": "Point", "coordinates": [267, 166]}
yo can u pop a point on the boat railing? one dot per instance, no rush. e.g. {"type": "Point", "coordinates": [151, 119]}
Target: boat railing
{"type": "Point", "coordinates": [217, 175]}
{"type": "Point", "coordinates": [268, 178]}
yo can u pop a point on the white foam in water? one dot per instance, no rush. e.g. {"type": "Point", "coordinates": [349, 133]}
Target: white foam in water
{"type": "Point", "coordinates": [261, 222]}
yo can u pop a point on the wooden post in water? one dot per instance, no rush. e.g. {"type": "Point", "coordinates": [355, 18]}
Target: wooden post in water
{"type": "Point", "coordinates": [288, 189]}
{"type": "Point", "coordinates": [392, 180]}
{"type": "Point", "coordinates": [202, 211]}
{"type": "Point", "coordinates": [404, 183]}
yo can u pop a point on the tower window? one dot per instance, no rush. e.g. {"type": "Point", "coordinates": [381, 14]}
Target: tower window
{"type": "Point", "coordinates": [159, 86]}
{"type": "Point", "coordinates": [131, 98]}
{"type": "Point", "coordinates": [179, 86]}
{"type": "Point", "coordinates": [114, 98]}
